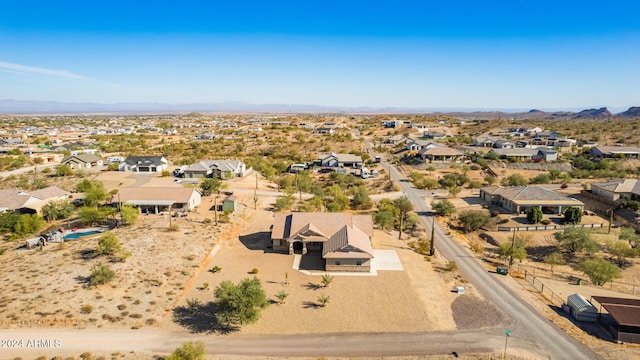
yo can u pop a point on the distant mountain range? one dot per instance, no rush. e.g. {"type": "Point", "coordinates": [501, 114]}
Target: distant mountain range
{"type": "Point", "coordinates": [52, 107]}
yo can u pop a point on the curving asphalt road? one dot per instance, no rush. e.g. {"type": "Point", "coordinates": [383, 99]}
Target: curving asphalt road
{"type": "Point", "coordinates": [526, 323]}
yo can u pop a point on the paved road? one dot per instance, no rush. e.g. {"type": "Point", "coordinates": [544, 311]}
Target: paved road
{"type": "Point", "coordinates": [28, 169]}
{"type": "Point", "coordinates": [525, 321]}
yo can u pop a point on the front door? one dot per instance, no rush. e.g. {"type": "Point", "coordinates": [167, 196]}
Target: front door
{"type": "Point", "coordinates": [297, 247]}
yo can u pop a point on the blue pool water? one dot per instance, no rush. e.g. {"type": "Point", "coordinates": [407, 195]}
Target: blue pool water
{"type": "Point", "coordinates": [76, 235]}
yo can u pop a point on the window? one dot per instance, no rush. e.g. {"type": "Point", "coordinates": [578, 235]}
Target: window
{"type": "Point", "coordinates": [358, 262]}
{"type": "Point", "coordinates": [337, 262]}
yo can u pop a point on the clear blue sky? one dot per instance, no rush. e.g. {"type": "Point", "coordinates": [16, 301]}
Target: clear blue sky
{"type": "Point", "coordinates": [462, 54]}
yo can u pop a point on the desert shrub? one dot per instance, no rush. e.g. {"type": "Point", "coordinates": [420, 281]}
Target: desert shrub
{"type": "Point", "coordinates": [254, 271]}
{"type": "Point", "coordinates": [545, 222]}
{"type": "Point", "coordinates": [451, 266]}
{"type": "Point", "coordinates": [122, 307]}
{"type": "Point", "coordinates": [86, 356]}
{"type": "Point", "coordinates": [86, 309]}
{"type": "Point", "coordinates": [101, 274]}
{"type": "Point", "coordinates": [215, 269]}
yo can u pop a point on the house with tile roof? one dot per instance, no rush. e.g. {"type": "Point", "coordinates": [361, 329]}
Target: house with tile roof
{"type": "Point", "coordinates": [30, 202]}
{"type": "Point", "coordinates": [342, 240]}
{"type": "Point", "coordinates": [519, 199]}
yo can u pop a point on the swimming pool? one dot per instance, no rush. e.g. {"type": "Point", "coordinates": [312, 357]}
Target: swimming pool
{"type": "Point", "coordinates": [79, 234]}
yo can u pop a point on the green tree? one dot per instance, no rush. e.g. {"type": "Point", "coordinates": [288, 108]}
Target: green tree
{"type": "Point", "coordinates": [63, 170]}
{"type": "Point", "coordinates": [28, 224]}
{"type": "Point", "coordinates": [534, 215]}
{"type": "Point", "coordinates": [629, 234]}
{"type": "Point", "coordinates": [541, 179]}
{"type": "Point", "coordinates": [572, 215]}
{"type": "Point", "coordinates": [94, 215]}
{"type": "Point", "coordinates": [575, 240]}
{"type": "Point", "coordinates": [240, 304]}
{"type": "Point", "coordinates": [385, 219]}
{"type": "Point", "coordinates": [599, 270]}
{"type": "Point", "coordinates": [513, 251]}
{"type": "Point", "coordinates": [443, 207]}
{"type": "Point", "coordinates": [283, 203]}
{"type": "Point", "coordinates": [621, 251]}
{"type": "Point", "coordinates": [101, 274]}
{"type": "Point", "coordinates": [514, 180]}
{"type": "Point", "coordinates": [361, 199]}
{"type": "Point", "coordinates": [210, 185]}
{"type": "Point", "coordinates": [339, 200]}
{"type": "Point", "coordinates": [95, 193]}
{"type": "Point", "coordinates": [108, 244]}
{"type": "Point", "coordinates": [554, 259]}
{"type": "Point", "coordinates": [404, 206]}
{"type": "Point", "coordinates": [189, 351]}
{"type": "Point", "coordinates": [129, 214]}
{"type": "Point", "coordinates": [473, 220]}
{"type": "Point", "coordinates": [8, 221]}
{"type": "Point", "coordinates": [59, 209]}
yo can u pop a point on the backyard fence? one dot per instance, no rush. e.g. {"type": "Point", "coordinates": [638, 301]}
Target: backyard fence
{"type": "Point", "coordinates": [547, 227]}
{"type": "Point", "coordinates": [532, 273]}
{"type": "Point", "coordinates": [553, 297]}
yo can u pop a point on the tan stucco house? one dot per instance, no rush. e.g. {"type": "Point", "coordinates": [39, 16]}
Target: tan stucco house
{"type": "Point", "coordinates": [343, 240]}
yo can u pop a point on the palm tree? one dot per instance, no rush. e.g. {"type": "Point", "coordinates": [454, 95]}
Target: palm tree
{"type": "Point", "coordinates": [282, 296]}
{"type": "Point", "coordinates": [326, 280]}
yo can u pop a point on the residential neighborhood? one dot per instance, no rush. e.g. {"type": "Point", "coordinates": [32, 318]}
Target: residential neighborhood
{"type": "Point", "coordinates": [356, 213]}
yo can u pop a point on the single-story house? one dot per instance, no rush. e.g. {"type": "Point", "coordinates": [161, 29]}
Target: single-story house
{"type": "Point", "coordinates": [420, 144]}
{"type": "Point", "coordinates": [623, 320]}
{"type": "Point", "coordinates": [397, 139]}
{"type": "Point", "coordinates": [440, 153]}
{"type": "Point", "coordinates": [146, 164]}
{"type": "Point", "coordinates": [343, 240]}
{"type": "Point", "coordinates": [617, 190]}
{"type": "Point", "coordinates": [30, 202]}
{"type": "Point", "coordinates": [222, 169]}
{"type": "Point", "coordinates": [484, 141]}
{"type": "Point", "coordinates": [516, 153]}
{"type": "Point", "coordinates": [153, 200]}
{"type": "Point", "coordinates": [519, 199]}
{"type": "Point", "coordinates": [82, 161]}
{"type": "Point", "coordinates": [629, 152]}
{"type": "Point", "coordinates": [340, 160]}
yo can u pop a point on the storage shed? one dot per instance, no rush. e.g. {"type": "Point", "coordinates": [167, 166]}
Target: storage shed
{"type": "Point", "coordinates": [581, 309]}
{"type": "Point", "coordinates": [623, 318]}
{"type": "Point", "coordinates": [230, 203]}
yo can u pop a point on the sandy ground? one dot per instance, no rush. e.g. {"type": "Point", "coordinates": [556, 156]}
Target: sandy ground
{"type": "Point", "coordinates": [412, 300]}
